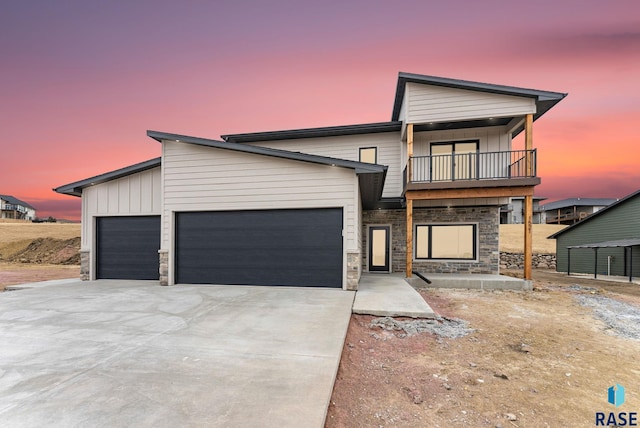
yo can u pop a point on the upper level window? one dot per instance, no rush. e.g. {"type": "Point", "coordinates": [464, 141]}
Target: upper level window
{"type": "Point", "coordinates": [450, 242]}
{"type": "Point", "coordinates": [369, 154]}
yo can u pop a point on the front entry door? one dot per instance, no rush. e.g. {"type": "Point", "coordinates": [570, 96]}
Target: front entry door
{"type": "Point", "coordinates": [379, 248]}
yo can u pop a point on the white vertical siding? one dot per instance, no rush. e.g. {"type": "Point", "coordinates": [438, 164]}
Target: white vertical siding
{"type": "Point", "coordinates": [428, 103]}
{"type": "Point", "coordinates": [347, 147]}
{"type": "Point", "coordinates": [197, 178]}
{"type": "Point", "coordinates": [137, 194]}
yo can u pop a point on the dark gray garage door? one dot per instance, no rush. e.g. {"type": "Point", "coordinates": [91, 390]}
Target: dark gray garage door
{"type": "Point", "coordinates": [127, 247]}
{"type": "Point", "coordinates": [269, 247]}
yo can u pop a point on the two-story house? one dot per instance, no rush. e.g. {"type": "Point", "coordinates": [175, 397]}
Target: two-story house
{"type": "Point", "coordinates": [317, 207]}
{"type": "Point", "coordinates": [14, 208]}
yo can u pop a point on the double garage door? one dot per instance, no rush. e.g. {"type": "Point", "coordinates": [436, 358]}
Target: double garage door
{"type": "Point", "coordinates": [265, 247]}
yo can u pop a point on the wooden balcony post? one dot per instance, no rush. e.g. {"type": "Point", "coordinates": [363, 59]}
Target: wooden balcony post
{"type": "Point", "coordinates": [409, 266]}
{"type": "Point", "coordinates": [409, 152]}
{"type": "Point", "coordinates": [528, 144]}
{"type": "Point", "coordinates": [528, 235]}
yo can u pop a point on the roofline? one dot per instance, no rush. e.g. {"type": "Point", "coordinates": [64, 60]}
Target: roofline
{"type": "Point", "coordinates": [359, 167]}
{"type": "Point", "coordinates": [327, 131]}
{"type": "Point", "coordinates": [594, 215]}
{"type": "Point", "coordinates": [75, 188]}
{"type": "Point", "coordinates": [550, 98]}
{"type": "Point", "coordinates": [629, 242]}
{"type": "Point", "coordinates": [588, 203]}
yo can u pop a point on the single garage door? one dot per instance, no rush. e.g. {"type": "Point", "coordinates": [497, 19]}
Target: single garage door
{"type": "Point", "coordinates": [127, 247]}
{"type": "Point", "coordinates": [269, 247]}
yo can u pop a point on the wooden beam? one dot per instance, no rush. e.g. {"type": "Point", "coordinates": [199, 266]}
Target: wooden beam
{"type": "Point", "coordinates": [409, 266]}
{"type": "Point", "coordinates": [528, 236]}
{"type": "Point", "coordinates": [478, 192]}
{"type": "Point", "coordinates": [528, 143]}
{"type": "Point", "coordinates": [409, 152]}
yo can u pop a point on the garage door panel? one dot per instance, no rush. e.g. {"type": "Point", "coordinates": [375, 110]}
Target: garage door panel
{"type": "Point", "coordinates": [127, 247]}
{"type": "Point", "coordinates": [269, 247]}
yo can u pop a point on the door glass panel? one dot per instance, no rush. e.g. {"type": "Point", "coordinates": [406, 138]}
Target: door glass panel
{"type": "Point", "coordinates": [465, 161]}
{"type": "Point", "coordinates": [441, 162]}
{"type": "Point", "coordinates": [378, 247]}
{"type": "Point", "coordinates": [452, 242]}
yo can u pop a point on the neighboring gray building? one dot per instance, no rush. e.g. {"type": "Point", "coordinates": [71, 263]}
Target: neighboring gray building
{"type": "Point", "coordinates": [610, 239]}
{"type": "Point", "coordinates": [572, 210]}
{"type": "Point", "coordinates": [317, 207]}
{"type": "Point", "coordinates": [513, 213]}
{"type": "Point", "coordinates": [14, 208]}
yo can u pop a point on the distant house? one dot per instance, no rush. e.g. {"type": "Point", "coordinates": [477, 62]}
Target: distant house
{"type": "Point", "coordinates": [607, 242]}
{"type": "Point", "coordinates": [14, 208]}
{"type": "Point", "coordinates": [572, 210]}
{"type": "Point", "coordinates": [513, 213]}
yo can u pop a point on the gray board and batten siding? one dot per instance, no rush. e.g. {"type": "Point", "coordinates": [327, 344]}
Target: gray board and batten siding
{"type": "Point", "coordinates": [616, 222]}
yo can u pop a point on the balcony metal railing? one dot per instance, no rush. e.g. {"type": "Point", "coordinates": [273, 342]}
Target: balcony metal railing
{"type": "Point", "coordinates": [471, 166]}
{"type": "Point", "coordinates": [12, 207]}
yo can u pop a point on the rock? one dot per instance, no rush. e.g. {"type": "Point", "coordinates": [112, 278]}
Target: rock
{"type": "Point", "coordinates": [525, 348]}
{"type": "Point", "coordinates": [510, 417]}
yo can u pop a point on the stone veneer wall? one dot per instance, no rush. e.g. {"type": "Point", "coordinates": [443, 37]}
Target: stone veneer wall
{"type": "Point", "coordinates": [163, 256]}
{"type": "Point", "coordinates": [487, 218]}
{"type": "Point", "coordinates": [85, 265]}
{"type": "Point", "coordinates": [353, 270]}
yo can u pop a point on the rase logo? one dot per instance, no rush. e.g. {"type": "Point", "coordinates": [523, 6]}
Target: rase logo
{"type": "Point", "coordinates": [615, 397]}
{"type": "Point", "coordinates": [616, 394]}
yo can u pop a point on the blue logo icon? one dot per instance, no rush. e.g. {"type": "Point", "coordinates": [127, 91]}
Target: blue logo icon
{"type": "Point", "coordinates": [616, 394]}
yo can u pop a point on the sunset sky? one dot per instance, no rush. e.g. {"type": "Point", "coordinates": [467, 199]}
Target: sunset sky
{"type": "Point", "coordinates": [82, 81]}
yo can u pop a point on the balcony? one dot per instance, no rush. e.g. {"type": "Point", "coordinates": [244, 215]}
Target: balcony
{"type": "Point", "coordinates": [12, 207]}
{"type": "Point", "coordinates": [566, 218]}
{"type": "Point", "coordinates": [470, 170]}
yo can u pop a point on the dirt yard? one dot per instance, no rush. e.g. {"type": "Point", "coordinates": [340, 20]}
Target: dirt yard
{"type": "Point", "coordinates": [534, 359]}
{"type": "Point", "coordinates": [32, 252]}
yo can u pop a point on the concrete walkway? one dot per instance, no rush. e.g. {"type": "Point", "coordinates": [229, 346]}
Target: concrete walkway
{"type": "Point", "coordinates": [389, 295]}
{"type": "Point", "coordinates": [472, 281]}
{"type": "Point", "coordinates": [132, 353]}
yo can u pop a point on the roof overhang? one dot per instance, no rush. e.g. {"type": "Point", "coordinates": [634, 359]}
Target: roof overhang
{"type": "Point", "coordinates": [610, 244]}
{"type": "Point", "coordinates": [75, 189]}
{"type": "Point", "coordinates": [329, 131]}
{"type": "Point", "coordinates": [371, 177]}
{"type": "Point", "coordinates": [544, 100]}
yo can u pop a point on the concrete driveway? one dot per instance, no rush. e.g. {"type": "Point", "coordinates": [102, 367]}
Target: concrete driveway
{"type": "Point", "coordinates": [115, 353]}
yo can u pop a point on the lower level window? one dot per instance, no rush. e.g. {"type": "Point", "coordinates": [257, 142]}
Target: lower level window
{"type": "Point", "coordinates": [451, 241]}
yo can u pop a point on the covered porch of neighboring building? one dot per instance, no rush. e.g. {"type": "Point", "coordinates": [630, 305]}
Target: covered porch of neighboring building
{"type": "Point", "coordinates": [627, 244]}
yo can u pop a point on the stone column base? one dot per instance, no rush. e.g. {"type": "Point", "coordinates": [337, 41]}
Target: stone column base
{"type": "Point", "coordinates": [353, 271]}
{"type": "Point", "coordinates": [85, 265]}
{"type": "Point", "coordinates": [164, 266]}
